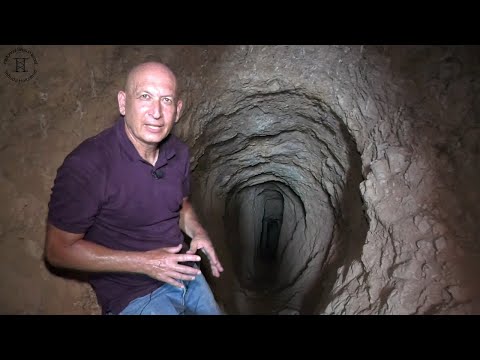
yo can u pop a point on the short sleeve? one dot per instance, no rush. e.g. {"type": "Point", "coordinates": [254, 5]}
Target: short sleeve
{"type": "Point", "coordinates": [76, 195]}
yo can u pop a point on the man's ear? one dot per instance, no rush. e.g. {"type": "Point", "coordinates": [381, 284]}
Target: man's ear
{"type": "Point", "coordinates": [179, 110]}
{"type": "Point", "coordinates": [121, 102]}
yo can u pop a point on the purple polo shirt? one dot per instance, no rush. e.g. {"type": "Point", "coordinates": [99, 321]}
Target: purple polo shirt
{"type": "Point", "coordinates": [107, 191]}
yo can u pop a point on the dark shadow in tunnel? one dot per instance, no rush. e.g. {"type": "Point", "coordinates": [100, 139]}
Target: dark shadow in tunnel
{"type": "Point", "coordinates": [348, 237]}
{"type": "Point", "coordinates": [260, 280]}
{"type": "Point", "coordinates": [271, 225]}
{"type": "Point", "coordinates": [269, 236]}
{"type": "Point", "coordinates": [267, 239]}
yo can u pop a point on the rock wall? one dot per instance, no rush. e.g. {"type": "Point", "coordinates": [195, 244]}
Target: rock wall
{"type": "Point", "coordinates": [372, 149]}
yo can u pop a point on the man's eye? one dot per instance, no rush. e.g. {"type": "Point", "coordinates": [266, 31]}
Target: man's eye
{"type": "Point", "coordinates": [144, 96]}
{"type": "Point", "coordinates": [167, 100]}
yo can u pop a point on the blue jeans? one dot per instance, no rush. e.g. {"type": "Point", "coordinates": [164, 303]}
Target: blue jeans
{"type": "Point", "coordinates": [195, 299]}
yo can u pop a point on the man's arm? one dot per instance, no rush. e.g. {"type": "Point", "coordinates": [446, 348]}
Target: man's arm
{"type": "Point", "coordinates": [69, 250]}
{"type": "Point", "coordinates": [190, 225]}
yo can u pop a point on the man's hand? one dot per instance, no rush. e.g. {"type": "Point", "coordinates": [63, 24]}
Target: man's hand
{"type": "Point", "coordinates": [163, 264]}
{"type": "Point", "coordinates": [202, 242]}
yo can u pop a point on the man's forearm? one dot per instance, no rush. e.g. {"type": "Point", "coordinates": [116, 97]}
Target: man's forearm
{"type": "Point", "coordinates": [87, 256]}
{"type": "Point", "coordinates": [189, 222]}
{"type": "Point", "coordinates": [63, 250]}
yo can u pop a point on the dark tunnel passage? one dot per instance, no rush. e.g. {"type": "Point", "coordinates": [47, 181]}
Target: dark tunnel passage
{"type": "Point", "coordinates": [275, 174]}
{"type": "Point", "coordinates": [258, 263]}
{"type": "Point", "coordinates": [271, 226]}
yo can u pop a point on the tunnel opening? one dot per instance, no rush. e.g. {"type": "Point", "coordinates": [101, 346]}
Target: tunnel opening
{"type": "Point", "coordinates": [279, 177]}
{"type": "Point", "coordinates": [269, 239]}
{"type": "Point", "coordinates": [271, 226]}
{"type": "Point", "coordinates": [256, 212]}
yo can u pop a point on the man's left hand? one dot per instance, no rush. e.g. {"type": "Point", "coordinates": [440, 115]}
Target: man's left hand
{"type": "Point", "coordinates": [202, 242]}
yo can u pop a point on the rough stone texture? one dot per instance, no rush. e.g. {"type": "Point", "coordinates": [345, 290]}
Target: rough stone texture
{"type": "Point", "coordinates": [373, 150]}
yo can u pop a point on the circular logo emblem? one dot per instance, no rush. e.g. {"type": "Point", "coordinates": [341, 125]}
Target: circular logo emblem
{"type": "Point", "coordinates": [20, 65]}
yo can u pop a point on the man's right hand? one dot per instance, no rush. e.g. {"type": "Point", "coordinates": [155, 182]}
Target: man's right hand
{"type": "Point", "coordinates": [163, 264]}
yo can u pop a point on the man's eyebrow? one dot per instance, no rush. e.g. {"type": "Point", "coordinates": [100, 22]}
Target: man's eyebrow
{"type": "Point", "coordinates": [139, 90]}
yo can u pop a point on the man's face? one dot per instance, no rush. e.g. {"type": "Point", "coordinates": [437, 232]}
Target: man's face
{"type": "Point", "coordinates": [150, 106]}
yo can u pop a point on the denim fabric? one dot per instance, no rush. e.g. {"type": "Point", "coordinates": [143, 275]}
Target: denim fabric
{"type": "Point", "coordinates": [195, 299]}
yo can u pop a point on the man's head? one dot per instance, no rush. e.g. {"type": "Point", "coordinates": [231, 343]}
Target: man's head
{"type": "Point", "coordinates": [149, 103]}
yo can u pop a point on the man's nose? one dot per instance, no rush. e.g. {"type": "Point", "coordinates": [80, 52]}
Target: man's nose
{"type": "Point", "coordinates": [156, 109]}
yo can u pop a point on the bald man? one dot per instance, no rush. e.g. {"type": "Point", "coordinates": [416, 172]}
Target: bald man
{"type": "Point", "coordinates": [119, 207]}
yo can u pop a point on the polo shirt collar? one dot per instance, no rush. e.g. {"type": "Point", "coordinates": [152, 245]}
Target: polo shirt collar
{"type": "Point", "coordinates": [166, 151]}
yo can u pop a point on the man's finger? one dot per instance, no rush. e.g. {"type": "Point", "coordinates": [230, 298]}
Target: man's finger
{"type": "Point", "coordinates": [215, 265]}
{"type": "Point", "coordinates": [219, 266]}
{"type": "Point", "coordinates": [172, 281]}
{"type": "Point", "coordinates": [215, 271]}
{"type": "Point", "coordinates": [212, 257]}
{"type": "Point", "coordinates": [193, 248]}
{"type": "Point", "coordinates": [184, 269]}
{"type": "Point", "coordinates": [180, 276]}
{"type": "Point", "coordinates": [187, 257]}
